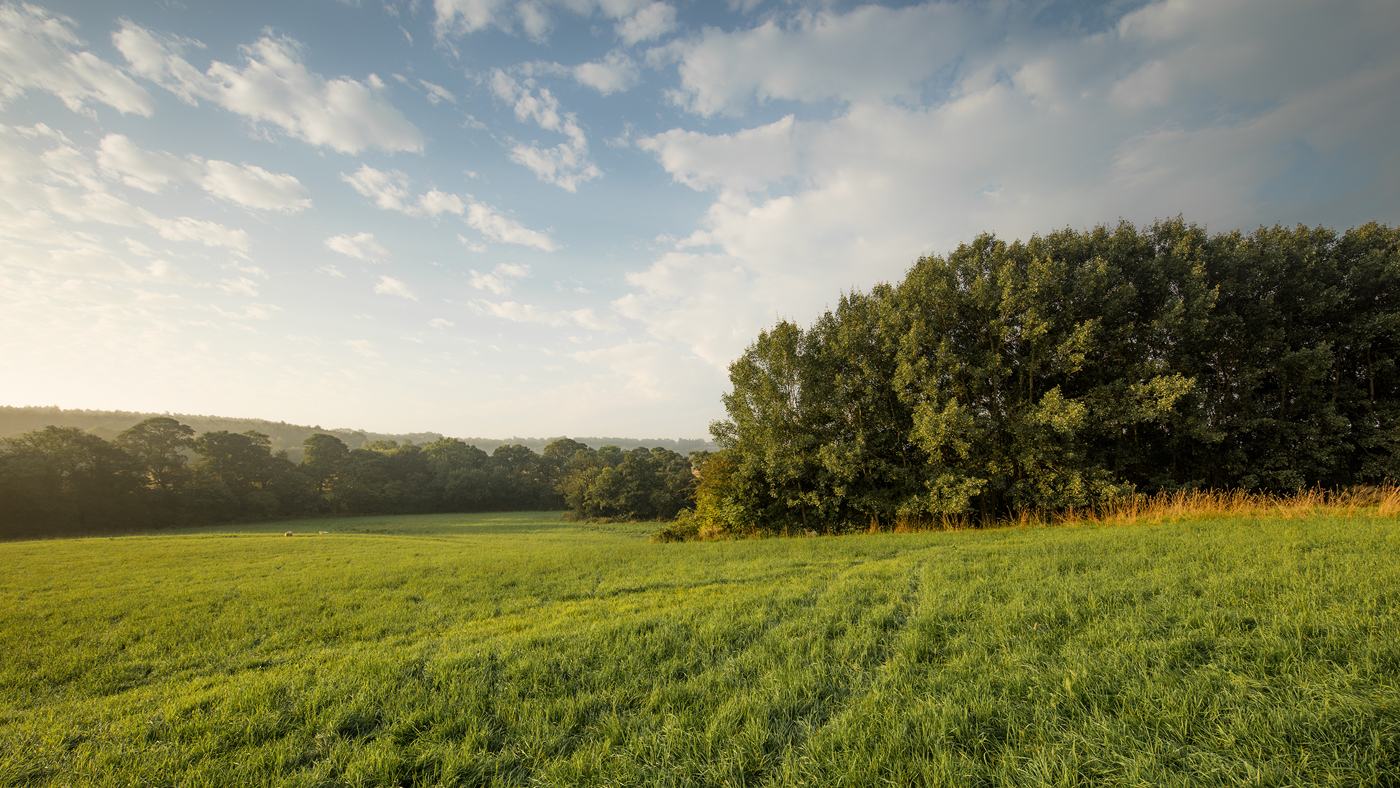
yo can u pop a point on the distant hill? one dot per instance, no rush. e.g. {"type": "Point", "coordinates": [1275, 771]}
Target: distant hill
{"type": "Point", "coordinates": [285, 437]}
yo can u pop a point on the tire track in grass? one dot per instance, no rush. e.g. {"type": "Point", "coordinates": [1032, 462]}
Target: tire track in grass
{"type": "Point", "coordinates": [853, 632]}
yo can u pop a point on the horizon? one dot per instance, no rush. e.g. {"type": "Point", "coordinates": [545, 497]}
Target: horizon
{"type": "Point", "coordinates": [367, 433]}
{"type": "Point", "coordinates": [567, 217]}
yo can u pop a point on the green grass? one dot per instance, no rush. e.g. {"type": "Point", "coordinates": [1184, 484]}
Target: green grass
{"type": "Point", "coordinates": [520, 650]}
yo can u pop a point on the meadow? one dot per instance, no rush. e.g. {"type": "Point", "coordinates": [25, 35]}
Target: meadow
{"type": "Point", "coordinates": [517, 649]}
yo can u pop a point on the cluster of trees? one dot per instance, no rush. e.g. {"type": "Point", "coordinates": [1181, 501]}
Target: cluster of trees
{"type": "Point", "coordinates": [59, 480]}
{"type": "Point", "coordinates": [1068, 371]}
{"type": "Point", "coordinates": [641, 484]}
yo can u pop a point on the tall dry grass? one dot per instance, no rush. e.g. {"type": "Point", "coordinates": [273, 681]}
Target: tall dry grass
{"type": "Point", "coordinates": [1374, 501]}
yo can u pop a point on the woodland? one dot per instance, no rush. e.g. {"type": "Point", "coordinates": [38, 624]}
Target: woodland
{"type": "Point", "coordinates": [1070, 371]}
{"type": "Point", "coordinates": [60, 481]}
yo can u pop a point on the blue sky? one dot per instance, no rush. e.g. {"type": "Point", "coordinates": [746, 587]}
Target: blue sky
{"type": "Point", "coordinates": [554, 217]}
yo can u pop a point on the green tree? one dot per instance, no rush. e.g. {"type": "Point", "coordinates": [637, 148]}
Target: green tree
{"type": "Point", "coordinates": [64, 480]}
{"type": "Point", "coordinates": [459, 471]}
{"type": "Point", "coordinates": [159, 445]}
{"type": "Point", "coordinates": [324, 457]}
{"type": "Point", "coordinates": [237, 476]}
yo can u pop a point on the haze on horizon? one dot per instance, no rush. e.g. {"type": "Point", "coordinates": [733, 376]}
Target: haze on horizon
{"type": "Point", "coordinates": [565, 217]}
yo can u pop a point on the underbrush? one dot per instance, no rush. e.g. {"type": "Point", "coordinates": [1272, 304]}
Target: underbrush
{"type": "Point", "coordinates": [1369, 501]}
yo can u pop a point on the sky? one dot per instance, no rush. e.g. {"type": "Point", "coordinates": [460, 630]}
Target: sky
{"type": "Point", "coordinates": [567, 217]}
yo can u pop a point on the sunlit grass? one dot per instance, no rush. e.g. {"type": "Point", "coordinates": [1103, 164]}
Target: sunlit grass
{"type": "Point", "coordinates": [1181, 505]}
{"type": "Point", "coordinates": [1258, 649]}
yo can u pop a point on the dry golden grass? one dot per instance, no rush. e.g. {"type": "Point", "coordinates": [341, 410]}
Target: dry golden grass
{"type": "Point", "coordinates": [1378, 501]}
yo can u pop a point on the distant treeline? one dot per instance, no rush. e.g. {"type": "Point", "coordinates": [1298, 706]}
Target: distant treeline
{"type": "Point", "coordinates": [288, 437]}
{"type": "Point", "coordinates": [1069, 371]}
{"type": "Point", "coordinates": [64, 480]}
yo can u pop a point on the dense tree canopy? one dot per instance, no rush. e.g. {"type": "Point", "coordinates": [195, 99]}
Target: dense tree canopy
{"type": "Point", "coordinates": [63, 480]}
{"type": "Point", "coordinates": [641, 484]}
{"type": "Point", "coordinates": [1069, 370]}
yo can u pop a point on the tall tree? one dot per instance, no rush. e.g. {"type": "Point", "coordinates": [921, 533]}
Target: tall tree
{"type": "Point", "coordinates": [64, 480]}
{"type": "Point", "coordinates": [159, 445]}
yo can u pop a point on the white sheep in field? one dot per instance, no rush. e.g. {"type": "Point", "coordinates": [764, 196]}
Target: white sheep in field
{"type": "Point", "coordinates": [323, 532]}
{"type": "Point", "coordinates": [289, 533]}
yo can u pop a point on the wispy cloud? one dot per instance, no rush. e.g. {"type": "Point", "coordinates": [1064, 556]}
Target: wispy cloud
{"type": "Point", "coordinates": [388, 285]}
{"type": "Point", "coordinates": [389, 190]}
{"type": "Point", "coordinates": [274, 86]}
{"type": "Point", "coordinates": [40, 50]}
{"type": "Point", "coordinates": [244, 184]}
{"type": "Point", "coordinates": [565, 165]}
{"type": "Point", "coordinates": [501, 278]}
{"type": "Point", "coordinates": [360, 246]}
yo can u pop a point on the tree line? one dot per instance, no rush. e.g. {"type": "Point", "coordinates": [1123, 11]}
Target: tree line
{"type": "Point", "coordinates": [158, 473]}
{"type": "Point", "coordinates": [1066, 371]}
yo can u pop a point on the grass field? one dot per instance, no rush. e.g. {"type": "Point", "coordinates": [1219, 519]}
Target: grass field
{"type": "Point", "coordinates": [521, 650]}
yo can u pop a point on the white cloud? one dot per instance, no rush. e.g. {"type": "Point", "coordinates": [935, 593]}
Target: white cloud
{"type": "Point", "coordinates": [51, 195]}
{"type": "Point", "coordinates": [250, 312]}
{"type": "Point", "coordinates": [441, 322]}
{"type": "Point", "coordinates": [529, 313]}
{"type": "Point", "coordinates": [390, 286]}
{"type": "Point", "coordinates": [1149, 86]}
{"type": "Point", "coordinates": [651, 21]}
{"type": "Point", "coordinates": [501, 278]}
{"type": "Point", "coordinates": [253, 187]}
{"type": "Point", "coordinates": [534, 20]}
{"type": "Point", "coordinates": [869, 52]}
{"type": "Point", "coordinates": [452, 18]}
{"type": "Point", "coordinates": [459, 17]}
{"type": "Point", "coordinates": [647, 369]}
{"type": "Point", "coordinates": [615, 73]}
{"type": "Point", "coordinates": [360, 246]}
{"type": "Point", "coordinates": [1185, 107]}
{"type": "Point", "coordinates": [185, 228]}
{"type": "Point", "coordinates": [245, 184]}
{"type": "Point", "coordinates": [565, 165]}
{"type": "Point", "coordinates": [490, 223]}
{"type": "Point", "coordinates": [40, 50]}
{"type": "Point", "coordinates": [747, 160]}
{"type": "Point", "coordinates": [435, 203]}
{"type": "Point", "coordinates": [389, 190]}
{"type": "Point", "coordinates": [274, 86]}
{"type": "Point", "coordinates": [437, 93]}
{"type": "Point", "coordinates": [331, 270]}
{"type": "Point", "coordinates": [146, 170]}
{"type": "Point", "coordinates": [363, 347]}
{"type": "Point", "coordinates": [241, 286]}
{"type": "Point", "coordinates": [712, 303]}
{"type": "Point", "coordinates": [472, 246]}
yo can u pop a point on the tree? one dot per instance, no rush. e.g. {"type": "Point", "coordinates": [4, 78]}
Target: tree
{"type": "Point", "coordinates": [159, 445]}
{"type": "Point", "coordinates": [459, 472]}
{"type": "Point", "coordinates": [64, 480]}
{"type": "Point", "coordinates": [1069, 370]}
{"type": "Point", "coordinates": [324, 457]}
{"type": "Point", "coordinates": [237, 476]}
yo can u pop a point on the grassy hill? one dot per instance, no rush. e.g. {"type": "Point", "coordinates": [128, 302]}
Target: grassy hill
{"type": "Point", "coordinates": [286, 437]}
{"type": "Point", "coordinates": [520, 650]}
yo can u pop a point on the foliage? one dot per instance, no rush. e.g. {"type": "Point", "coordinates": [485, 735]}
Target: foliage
{"type": "Point", "coordinates": [516, 649]}
{"type": "Point", "coordinates": [1070, 371]}
{"type": "Point", "coordinates": [15, 421]}
{"type": "Point", "coordinates": [64, 475]}
{"type": "Point", "coordinates": [61, 480]}
{"type": "Point", "coordinates": [642, 484]}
